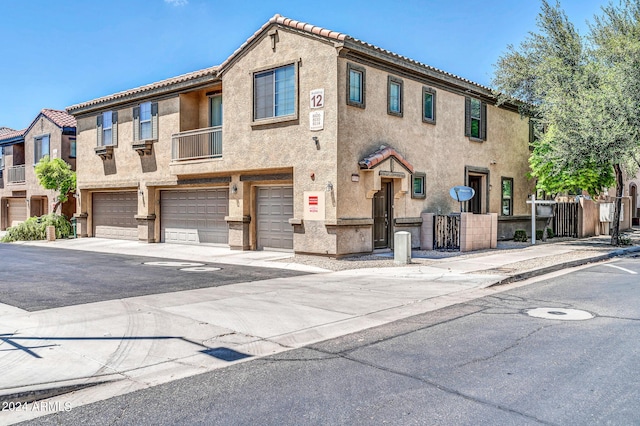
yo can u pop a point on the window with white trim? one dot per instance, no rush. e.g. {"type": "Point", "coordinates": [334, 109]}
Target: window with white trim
{"type": "Point", "coordinates": [107, 127]}
{"type": "Point", "coordinates": [145, 121]}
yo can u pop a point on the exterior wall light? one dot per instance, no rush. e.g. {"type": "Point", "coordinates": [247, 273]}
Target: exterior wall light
{"type": "Point", "coordinates": [234, 188]}
{"type": "Point", "coordinates": [315, 139]}
{"type": "Point", "coordinates": [329, 187]}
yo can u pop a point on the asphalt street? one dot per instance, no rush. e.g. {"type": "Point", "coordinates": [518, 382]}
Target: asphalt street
{"type": "Point", "coordinates": [486, 361]}
{"type": "Point", "coordinates": [36, 278]}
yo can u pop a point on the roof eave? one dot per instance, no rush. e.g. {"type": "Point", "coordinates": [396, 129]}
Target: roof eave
{"type": "Point", "coordinates": [12, 141]}
{"type": "Point", "coordinates": [114, 100]}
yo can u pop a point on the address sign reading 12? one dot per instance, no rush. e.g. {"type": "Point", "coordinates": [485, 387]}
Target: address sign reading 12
{"type": "Point", "coordinates": [317, 98]}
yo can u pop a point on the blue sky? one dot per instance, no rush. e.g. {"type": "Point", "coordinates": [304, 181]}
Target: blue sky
{"type": "Point", "coordinates": [56, 53]}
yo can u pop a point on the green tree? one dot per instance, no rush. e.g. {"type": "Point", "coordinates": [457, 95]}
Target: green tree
{"type": "Point", "coordinates": [57, 175]}
{"type": "Point", "coordinates": [584, 92]}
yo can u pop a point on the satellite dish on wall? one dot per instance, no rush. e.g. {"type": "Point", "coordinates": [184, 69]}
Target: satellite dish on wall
{"type": "Point", "coordinates": [461, 194]}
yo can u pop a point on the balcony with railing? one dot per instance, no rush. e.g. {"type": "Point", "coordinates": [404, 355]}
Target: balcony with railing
{"type": "Point", "coordinates": [15, 174]}
{"type": "Point", "coordinates": [197, 144]}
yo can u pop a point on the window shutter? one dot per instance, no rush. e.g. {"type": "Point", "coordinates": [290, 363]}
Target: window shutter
{"type": "Point", "coordinates": [532, 135]}
{"type": "Point", "coordinates": [154, 120]}
{"type": "Point", "coordinates": [136, 123]}
{"type": "Point", "coordinates": [467, 116]}
{"type": "Point", "coordinates": [483, 121]}
{"type": "Point", "coordinates": [99, 127]}
{"type": "Point", "coordinates": [114, 128]}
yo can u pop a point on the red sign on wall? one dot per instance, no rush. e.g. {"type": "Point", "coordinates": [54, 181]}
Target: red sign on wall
{"type": "Point", "coordinates": [313, 200]}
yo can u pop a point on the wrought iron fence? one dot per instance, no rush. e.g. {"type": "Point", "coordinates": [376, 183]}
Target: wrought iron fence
{"type": "Point", "coordinates": [446, 232]}
{"type": "Point", "coordinates": [565, 220]}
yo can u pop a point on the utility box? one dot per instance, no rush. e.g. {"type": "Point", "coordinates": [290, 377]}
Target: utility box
{"type": "Point", "coordinates": [402, 248]}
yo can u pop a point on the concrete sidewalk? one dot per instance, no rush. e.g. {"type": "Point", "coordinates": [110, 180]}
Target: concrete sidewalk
{"type": "Point", "coordinates": [104, 349]}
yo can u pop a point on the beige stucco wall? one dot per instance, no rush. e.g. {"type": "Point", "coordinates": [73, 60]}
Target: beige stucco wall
{"type": "Point", "coordinates": [440, 150]}
{"type": "Point", "coordinates": [282, 151]}
{"type": "Point", "coordinates": [283, 145]}
{"type": "Point", "coordinates": [23, 153]}
{"type": "Point", "coordinates": [280, 147]}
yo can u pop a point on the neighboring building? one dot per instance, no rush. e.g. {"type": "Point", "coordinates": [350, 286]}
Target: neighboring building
{"type": "Point", "coordinates": [325, 145]}
{"type": "Point", "coordinates": [21, 196]}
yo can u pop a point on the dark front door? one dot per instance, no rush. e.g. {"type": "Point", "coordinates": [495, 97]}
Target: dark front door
{"type": "Point", "coordinates": [382, 216]}
{"type": "Point", "coordinates": [475, 204]}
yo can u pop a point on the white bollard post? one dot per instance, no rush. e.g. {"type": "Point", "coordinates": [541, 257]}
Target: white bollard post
{"type": "Point", "coordinates": [402, 248]}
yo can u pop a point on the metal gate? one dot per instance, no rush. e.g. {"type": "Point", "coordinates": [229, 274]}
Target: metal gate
{"type": "Point", "coordinates": [446, 232]}
{"type": "Point", "coordinates": [565, 220]}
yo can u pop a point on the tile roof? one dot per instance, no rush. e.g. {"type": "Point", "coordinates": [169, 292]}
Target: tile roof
{"type": "Point", "coordinates": [377, 157]}
{"type": "Point", "coordinates": [280, 20]}
{"type": "Point", "coordinates": [59, 118]}
{"type": "Point", "coordinates": [4, 130]}
{"type": "Point", "coordinates": [212, 71]}
{"type": "Point", "coordinates": [12, 134]}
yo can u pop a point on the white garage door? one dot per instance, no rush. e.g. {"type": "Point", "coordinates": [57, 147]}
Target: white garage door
{"type": "Point", "coordinates": [114, 215]}
{"type": "Point", "coordinates": [274, 209]}
{"type": "Point", "coordinates": [17, 211]}
{"type": "Point", "coordinates": [194, 216]}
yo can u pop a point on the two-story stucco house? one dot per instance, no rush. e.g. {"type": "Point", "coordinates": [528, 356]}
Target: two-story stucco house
{"type": "Point", "coordinates": [51, 133]}
{"type": "Point", "coordinates": [304, 139]}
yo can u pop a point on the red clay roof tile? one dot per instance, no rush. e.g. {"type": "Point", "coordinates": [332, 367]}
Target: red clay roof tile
{"type": "Point", "coordinates": [377, 157]}
{"type": "Point", "coordinates": [275, 20]}
{"type": "Point", "coordinates": [60, 118]}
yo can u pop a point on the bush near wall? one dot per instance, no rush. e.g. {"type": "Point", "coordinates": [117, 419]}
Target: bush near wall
{"type": "Point", "coordinates": [35, 228]}
{"type": "Point", "coordinates": [520, 236]}
{"type": "Point", "coordinates": [539, 232]}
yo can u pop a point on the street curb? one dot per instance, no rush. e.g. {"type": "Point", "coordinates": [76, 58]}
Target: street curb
{"type": "Point", "coordinates": [564, 265]}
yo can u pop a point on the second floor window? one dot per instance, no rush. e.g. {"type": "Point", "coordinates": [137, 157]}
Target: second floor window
{"type": "Point", "coordinates": [72, 148]}
{"type": "Point", "coordinates": [145, 121]}
{"type": "Point", "coordinates": [215, 109]}
{"type": "Point", "coordinates": [355, 85]}
{"type": "Point", "coordinates": [394, 96]}
{"type": "Point", "coordinates": [40, 147]}
{"type": "Point", "coordinates": [107, 125]}
{"type": "Point", "coordinates": [475, 119]}
{"type": "Point", "coordinates": [274, 93]}
{"type": "Point", "coordinates": [428, 105]}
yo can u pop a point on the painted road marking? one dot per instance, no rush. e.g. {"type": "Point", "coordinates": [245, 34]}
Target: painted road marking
{"type": "Point", "coordinates": [621, 268]}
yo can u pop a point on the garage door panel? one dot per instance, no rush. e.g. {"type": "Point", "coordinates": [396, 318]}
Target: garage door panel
{"type": "Point", "coordinates": [17, 211]}
{"type": "Point", "coordinates": [114, 215]}
{"type": "Point", "coordinates": [274, 209]}
{"type": "Point", "coordinates": [194, 216]}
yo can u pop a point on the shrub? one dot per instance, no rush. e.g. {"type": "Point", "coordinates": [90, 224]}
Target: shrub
{"type": "Point", "coordinates": [520, 235]}
{"type": "Point", "coordinates": [35, 228]}
{"type": "Point", "coordinates": [550, 233]}
{"type": "Point", "coordinates": [624, 240]}
{"type": "Point", "coordinates": [539, 234]}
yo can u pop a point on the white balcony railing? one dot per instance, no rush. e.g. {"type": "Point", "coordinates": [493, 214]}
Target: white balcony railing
{"type": "Point", "coordinates": [15, 174]}
{"type": "Point", "coordinates": [201, 143]}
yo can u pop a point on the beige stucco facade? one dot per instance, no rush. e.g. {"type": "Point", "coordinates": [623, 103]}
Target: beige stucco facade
{"type": "Point", "coordinates": [21, 195]}
{"type": "Point", "coordinates": [333, 195]}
